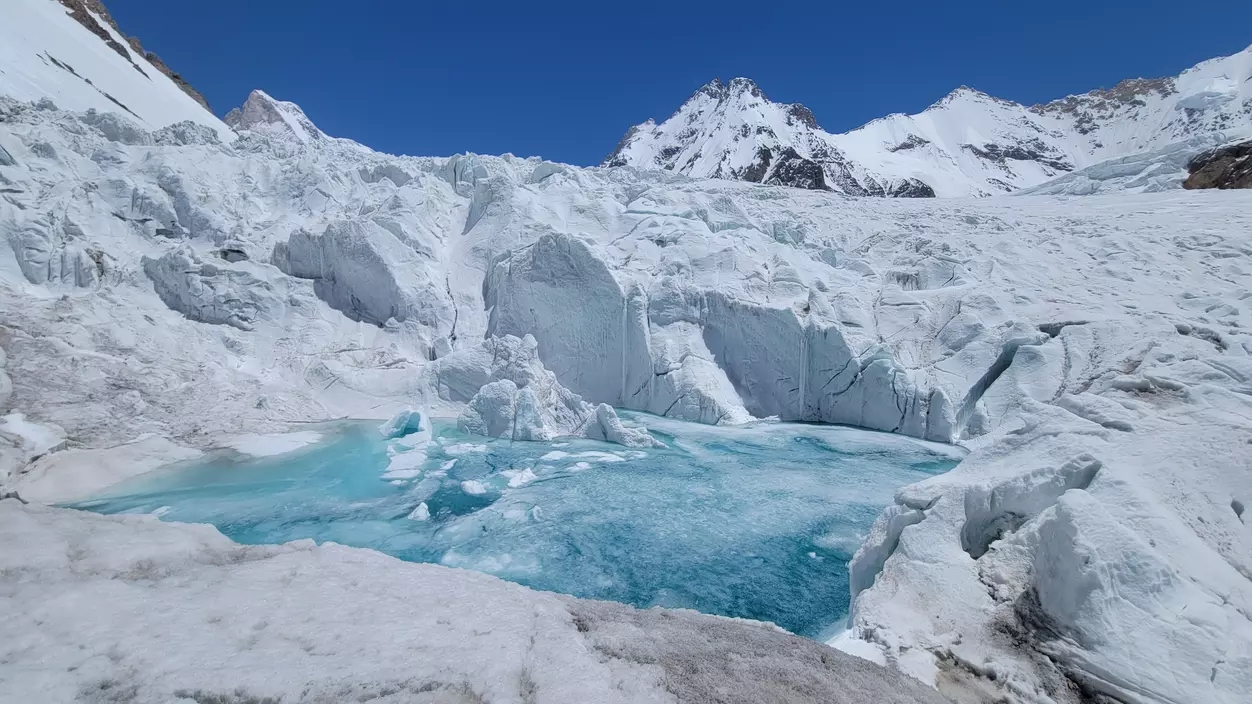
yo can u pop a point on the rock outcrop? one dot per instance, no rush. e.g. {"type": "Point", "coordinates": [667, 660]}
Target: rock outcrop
{"type": "Point", "coordinates": [1227, 167]}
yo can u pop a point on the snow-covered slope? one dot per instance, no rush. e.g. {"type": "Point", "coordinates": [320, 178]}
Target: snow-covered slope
{"type": "Point", "coordinates": [968, 143]}
{"type": "Point", "coordinates": [45, 53]}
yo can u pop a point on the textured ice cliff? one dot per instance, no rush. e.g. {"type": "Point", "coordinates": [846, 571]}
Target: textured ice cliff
{"type": "Point", "coordinates": [166, 284]}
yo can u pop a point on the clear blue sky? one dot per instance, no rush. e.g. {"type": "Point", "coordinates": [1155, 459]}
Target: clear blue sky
{"type": "Point", "coordinates": [564, 80]}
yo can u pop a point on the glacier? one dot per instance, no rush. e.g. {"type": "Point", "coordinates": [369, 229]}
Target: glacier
{"type": "Point", "coordinates": [172, 284]}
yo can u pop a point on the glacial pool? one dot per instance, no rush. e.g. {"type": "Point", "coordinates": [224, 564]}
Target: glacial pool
{"type": "Point", "coordinates": [754, 521]}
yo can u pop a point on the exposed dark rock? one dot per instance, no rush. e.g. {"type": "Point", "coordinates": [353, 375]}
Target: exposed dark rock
{"type": "Point", "coordinates": [173, 75]}
{"type": "Point", "coordinates": [802, 114]}
{"type": "Point", "coordinates": [70, 70]}
{"type": "Point", "coordinates": [714, 89]}
{"type": "Point", "coordinates": [81, 11]}
{"type": "Point", "coordinates": [758, 169]}
{"type": "Point", "coordinates": [1226, 167]}
{"type": "Point", "coordinates": [794, 170]}
{"type": "Point", "coordinates": [910, 188]}
{"type": "Point", "coordinates": [910, 142]}
{"type": "Point", "coordinates": [840, 177]}
{"type": "Point", "coordinates": [1087, 109]}
{"type": "Point", "coordinates": [744, 85]}
{"type": "Point", "coordinates": [1033, 150]}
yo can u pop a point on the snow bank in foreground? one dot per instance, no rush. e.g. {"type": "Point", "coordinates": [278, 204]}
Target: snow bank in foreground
{"type": "Point", "coordinates": [131, 609]}
{"type": "Point", "coordinates": [73, 474]}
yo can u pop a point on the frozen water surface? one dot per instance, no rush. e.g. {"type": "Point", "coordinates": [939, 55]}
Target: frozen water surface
{"type": "Point", "coordinates": [756, 522]}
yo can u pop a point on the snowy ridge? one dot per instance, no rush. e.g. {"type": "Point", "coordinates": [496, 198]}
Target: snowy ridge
{"type": "Point", "coordinates": [967, 144]}
{"type": "Point", "coordinates": [46, 54]}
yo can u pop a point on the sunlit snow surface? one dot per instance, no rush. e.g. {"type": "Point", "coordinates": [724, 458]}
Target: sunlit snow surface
{"type": "Point", "coordinates": [754, 522]}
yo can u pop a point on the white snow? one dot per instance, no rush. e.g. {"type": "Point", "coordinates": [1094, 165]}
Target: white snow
{"type": "Point", "coordinates": [1092, 352]}
{"type": "Point", "coordinates": [22, 441]}
{"type": "Point", "coordinates": [76, 474]}
{"type": "Point", "coordinates": [519, 477]}
{"type": "Point", "coordinates": [46, 54]}
{"type": "Point", "coordinates": [462, 448]}
{"type": "Point", "coordinates": [967, 144]}
{"type": "Point", "coordinates": [272, 444]}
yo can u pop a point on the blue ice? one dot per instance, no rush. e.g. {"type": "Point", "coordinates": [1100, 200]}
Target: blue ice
{"type": "Point", "coordinates": [756, 522]}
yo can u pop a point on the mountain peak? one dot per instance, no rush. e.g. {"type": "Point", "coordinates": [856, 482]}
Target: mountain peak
{"type": "Point", "coordinates": [966, 93]}
{"type": "Point", "coordinates": [969, 143]}
{"type": "Point", "coordinates": [720, 91]}
{"type": "Point", "coordinates": [714, 89]}
{"type": "Point", "coordinates": [741, 85]}
{"type": "Point", "coordinates": [274, 118]}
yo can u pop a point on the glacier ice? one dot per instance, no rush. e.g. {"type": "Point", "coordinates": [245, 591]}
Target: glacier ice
{"type": "Point", "coordinates": [508, 392]}
{"type": "Point", "coordinates": [406, 423]}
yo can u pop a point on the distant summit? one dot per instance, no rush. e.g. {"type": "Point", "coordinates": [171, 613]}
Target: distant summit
{"type": "Point", "coordinates": [274, 118]}
{"type": "Point", "coordinates": [968, 143]}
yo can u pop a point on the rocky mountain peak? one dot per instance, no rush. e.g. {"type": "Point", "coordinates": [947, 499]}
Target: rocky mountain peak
{"type": "Point", "coordinates": [739, 86]}
{"type": "Point", "coordinates": [274, 118]}
{"type": "Point", "coordinates": [969, 143]}
{"type": "Point", "coordinates": [714, 89]}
